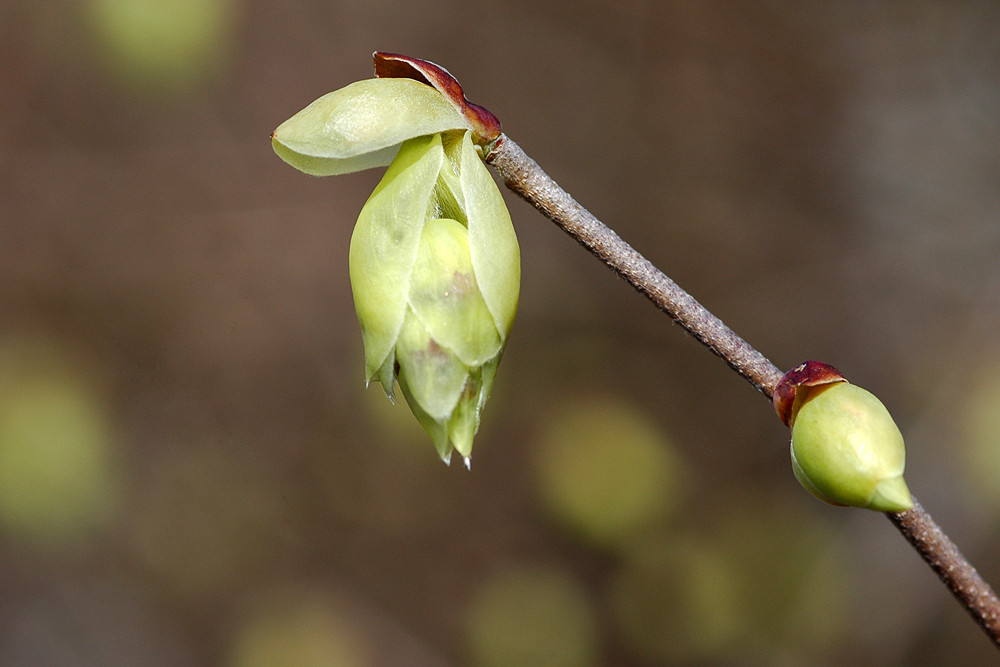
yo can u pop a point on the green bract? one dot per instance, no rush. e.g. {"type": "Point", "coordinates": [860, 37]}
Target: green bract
{"type": "Point", "coordinates": [435, 269]}
{"type": "Point", "coordinates": [362, 125]}
{"type": "Point", "coordinates": [847, 450]}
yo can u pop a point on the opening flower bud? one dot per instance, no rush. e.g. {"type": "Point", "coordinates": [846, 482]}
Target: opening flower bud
{"type": "Point", "coordinates": [434, 262]}
{"type": "Point", "coordinates": [846, 449]}
{"type": "Point", "coordinates": [435, 269]}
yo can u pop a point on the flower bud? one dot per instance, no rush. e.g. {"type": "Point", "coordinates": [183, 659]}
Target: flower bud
{"type": "Point", "coordinates": [846, 449]}
{"type": "Point", "coordinates": [435, 269]}
{"type": "Point", "coordinates": [434, 262]}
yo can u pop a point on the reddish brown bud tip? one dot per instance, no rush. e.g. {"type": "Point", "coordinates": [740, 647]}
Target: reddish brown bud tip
{"type": "Point", "coordinates": [788, 395]}
{"type": "Point", "coordinates": [485, 125]}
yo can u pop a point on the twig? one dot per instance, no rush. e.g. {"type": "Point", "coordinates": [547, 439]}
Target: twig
{"type": "Point", "coordinates": [526, 178]}
{"type": "Point", "coordinates": [523, 176]}
{"type": "Point", "coordinates": [947, 561]}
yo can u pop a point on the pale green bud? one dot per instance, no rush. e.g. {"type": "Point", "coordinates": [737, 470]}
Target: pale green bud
{"type": "Point", "coordinates": [435, 269]}
{"type": "Point", "coordinates": [846, 448]}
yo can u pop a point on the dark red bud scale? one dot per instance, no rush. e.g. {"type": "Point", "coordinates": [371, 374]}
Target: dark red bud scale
{"type": "Point", "coordinates": [807, 374]}
{"type": "Point", "coordinates": [485, 125]}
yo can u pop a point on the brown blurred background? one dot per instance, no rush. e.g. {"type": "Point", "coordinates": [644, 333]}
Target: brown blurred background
{"type": "Point", "coordinates": [192, 473]}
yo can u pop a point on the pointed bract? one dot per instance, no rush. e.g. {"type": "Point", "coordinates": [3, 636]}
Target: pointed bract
{"type": "Point", "coordinates": [384, 246]}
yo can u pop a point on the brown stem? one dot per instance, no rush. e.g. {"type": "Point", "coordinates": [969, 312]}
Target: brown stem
{"type": "Point", "coordinates": [523, 176]}
{"type": "Point", "coordinates": [526, 178]}
{"type": "Point", "coordinates": [954, 570]}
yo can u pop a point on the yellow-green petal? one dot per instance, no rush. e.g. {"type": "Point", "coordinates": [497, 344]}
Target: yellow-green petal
{"type": "Point", "coordinates": [445, 296]}
{"type": "Point", "coordinates": [464, 420]}
{"type": "Point", "coordinates": [432, 374]}
{"type": "Point", "coordinates": [436, 429]}
{"type": "Point", "coordinates": [384, 246]}
{"type": "Point", "coordinates": [362, 125]}
{"type": "Point", "coordinates": [496, 258]}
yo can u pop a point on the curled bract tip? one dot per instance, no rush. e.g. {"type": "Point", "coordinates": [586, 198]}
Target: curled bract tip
{"type": "Point", "coordinates": [485, 126]}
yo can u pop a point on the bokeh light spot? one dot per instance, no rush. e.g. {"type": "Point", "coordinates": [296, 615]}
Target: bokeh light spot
{"type": "Point", "coordinates": [205, 519]}
{"type": "Point", "coordinates": [983, 437]}
{"type": "Point", "coordinates": [674, 600]}
{"type": "Point", "coordinates": [163, 44]}
{"type": "Point", "coordinates": [792, 580]}
{"type": "Point", "coordinates": [526, 616]}
{"type": "Point", "coordinates": [58, 475]}
{"type": "Point", "coordinates": [302, 630]}
{"type": "Point", "coordinates": [605, 470]}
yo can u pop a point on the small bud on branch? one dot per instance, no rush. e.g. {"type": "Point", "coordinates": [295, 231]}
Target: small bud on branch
{"type": "Point", "coordinates": [846, 449]}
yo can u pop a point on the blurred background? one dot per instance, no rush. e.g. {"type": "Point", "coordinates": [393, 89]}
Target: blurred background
{"type": "Point", "coordinates": [192, 472]}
